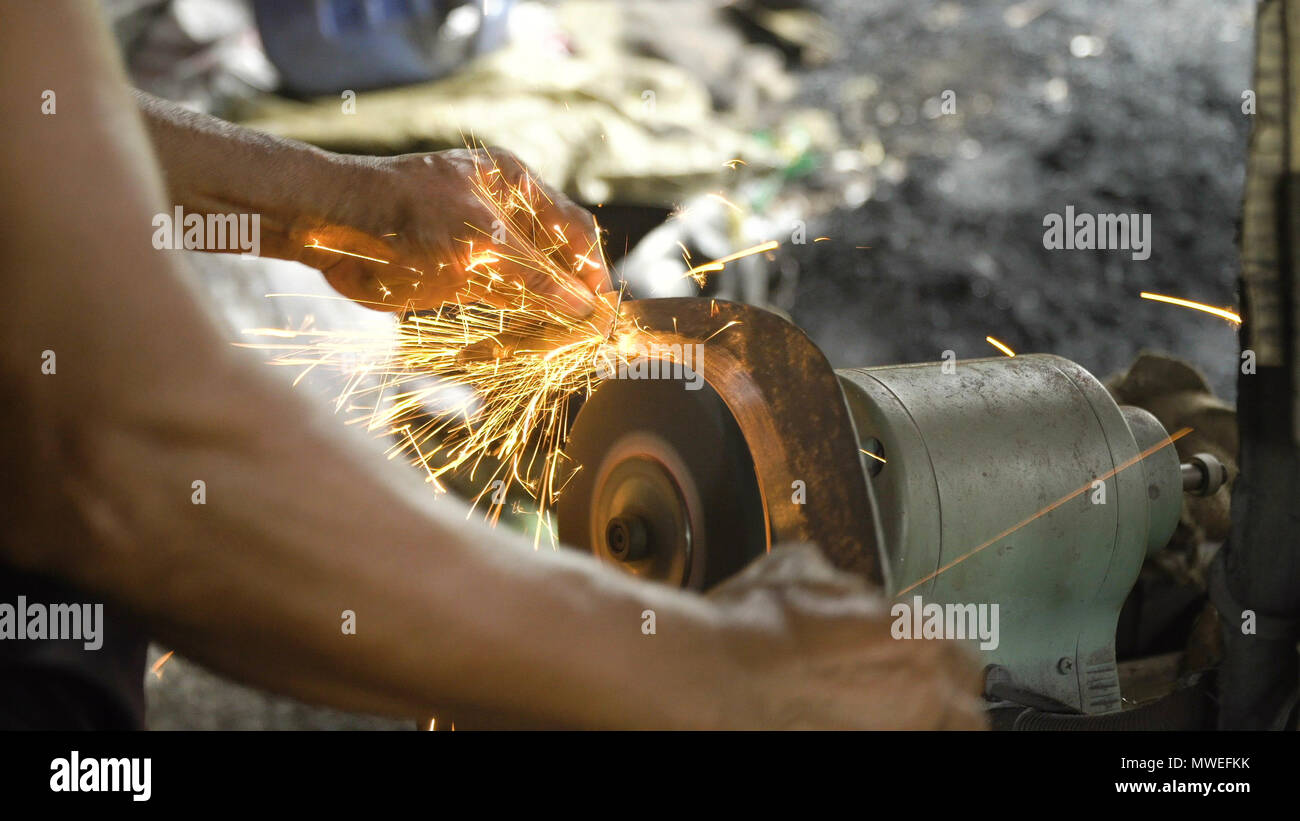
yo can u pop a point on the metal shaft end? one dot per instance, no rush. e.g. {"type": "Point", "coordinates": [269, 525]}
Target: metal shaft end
{"type": "Point", "coordinates": [1203, 475]}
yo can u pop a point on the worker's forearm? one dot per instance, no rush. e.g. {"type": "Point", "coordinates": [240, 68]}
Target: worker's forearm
{"type": "Point", "coordinates": [298, 524]}
{"type": "Point", "coordinates": [214, 167]}
{"type": "Point", "coordinates": [297, 528]}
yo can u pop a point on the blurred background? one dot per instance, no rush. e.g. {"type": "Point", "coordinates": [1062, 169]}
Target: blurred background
{"type": "Point", "coordinates": [903, 152]}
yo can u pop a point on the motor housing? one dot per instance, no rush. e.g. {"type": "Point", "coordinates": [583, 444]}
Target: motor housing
{"type": "Point", "coordinates": [1018, 481]}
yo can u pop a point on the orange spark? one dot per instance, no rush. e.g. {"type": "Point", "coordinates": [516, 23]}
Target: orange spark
{"type": "Point", "coordinates": [158, 665]}
{"type": "Point", "coordinates": [315, 244]}
{"type": "Point", "coordinates": [718, 264]}
{"type": "Point", "coordinates": [730, 324]}
{"type": "Point", "coordinates": [1223, 313]}
{"type": "Point", "coordinates": [999, 346]}
{"type": "Point", "coordinates": [479, 389]}
{"type": "Point", "coordinates": [879, 459]}
{"type": "Point", "coordinates": [727, 203]}
{"type": "Point", "coordinates": [1168, 440]}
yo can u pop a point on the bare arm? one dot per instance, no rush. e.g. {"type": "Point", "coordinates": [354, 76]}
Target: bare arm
{"type": "Point", "coordinates": [214, 167]}
{"type": "Point", "coordinates": [414, 210]}
{"type": "Point", "coordinates": [301, 522]}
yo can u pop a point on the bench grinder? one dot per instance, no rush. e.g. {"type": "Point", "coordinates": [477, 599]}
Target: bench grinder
{"type": "Point", "coordinates": [1014, 481]}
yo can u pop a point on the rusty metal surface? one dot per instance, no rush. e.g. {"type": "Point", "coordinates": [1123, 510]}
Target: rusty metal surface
{"type": "Point", "coordinates": [788, 403]}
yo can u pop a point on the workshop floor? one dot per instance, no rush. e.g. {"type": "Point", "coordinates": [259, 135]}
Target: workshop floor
{"type": "Point", "coordinates": [1151, 124]}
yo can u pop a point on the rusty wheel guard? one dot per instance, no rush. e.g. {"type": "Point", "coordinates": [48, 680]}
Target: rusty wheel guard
{"type": "Point", "coordinates": [788, 405]}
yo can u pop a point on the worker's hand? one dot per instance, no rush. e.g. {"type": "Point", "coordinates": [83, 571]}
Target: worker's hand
{"type": "Point", "coordinates": [418, 212]}
{"type": "Point", "coordinates": [818, 648]}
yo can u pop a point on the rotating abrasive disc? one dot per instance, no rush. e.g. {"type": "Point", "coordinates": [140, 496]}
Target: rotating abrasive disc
{"type": "Point", "coordinates": [667, 488]}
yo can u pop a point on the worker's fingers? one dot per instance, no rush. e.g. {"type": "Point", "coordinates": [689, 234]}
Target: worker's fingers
{"type": "Point", "coordinates": [361, 268]}
{"type": "Point", "coordinates": [491, 349]}
{"type": "Point", "coordinates": [457, 252]}
{"type": "Point", "coordinates": [587, 249]}
{"type": "Point", "coordinates": [580, 242]}
{"type": "Point", "coordinates": [802, 567]}
{"type": "Point", "coordinates": [560, 293]}
{"type": "Point", "coordinates": [523, 339]}
{"type": "Point", "coordinates": [571, 226]}
{"type": "Point", "coordinates": [835, 662]}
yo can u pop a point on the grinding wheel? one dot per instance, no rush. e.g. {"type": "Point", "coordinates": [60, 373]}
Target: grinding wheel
{"type": "Point", "coordinates": [667, 489]}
